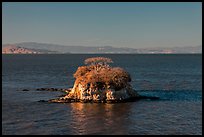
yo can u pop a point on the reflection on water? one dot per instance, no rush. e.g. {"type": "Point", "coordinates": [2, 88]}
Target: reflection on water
{"type": "Point", "coordinates": [139, 118]}
{"type": "Point", "coordinates": [144, 117]}
{"type": "Point", "coordinates": [95, 118]}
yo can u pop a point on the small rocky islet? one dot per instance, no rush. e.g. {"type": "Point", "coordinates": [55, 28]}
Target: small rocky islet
{"type": "Point", "coordinates": [98, 82]}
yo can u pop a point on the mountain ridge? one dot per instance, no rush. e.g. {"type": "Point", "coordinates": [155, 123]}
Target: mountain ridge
{"type": "Point", "coordinates": [46, 48]}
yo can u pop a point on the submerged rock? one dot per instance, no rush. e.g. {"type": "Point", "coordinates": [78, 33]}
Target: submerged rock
{"type": "Point", "coordinates": [25, 90]}
{"type": "Point", "coordinates": [54, 89]}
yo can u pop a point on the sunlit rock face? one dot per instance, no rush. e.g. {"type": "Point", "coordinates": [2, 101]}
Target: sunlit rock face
{"type": "Point", "coordinates": [83, 94]}
{"type": "Point", "coordinates": [98, 82]}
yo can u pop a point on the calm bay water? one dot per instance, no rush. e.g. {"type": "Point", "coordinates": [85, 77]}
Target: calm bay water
{"type": "Point", "coordinates": [176, 79]}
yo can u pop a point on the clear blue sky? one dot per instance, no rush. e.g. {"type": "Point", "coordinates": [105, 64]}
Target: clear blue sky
{"type": "Point", "coordinates": [118, 24]}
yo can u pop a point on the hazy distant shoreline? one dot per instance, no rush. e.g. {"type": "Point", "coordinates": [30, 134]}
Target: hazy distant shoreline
{"type": "Point", "coordinates": [43, 48]}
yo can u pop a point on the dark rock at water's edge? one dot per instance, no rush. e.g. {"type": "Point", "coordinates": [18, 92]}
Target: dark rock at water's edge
{"type": "Point", "coordinates": [132, 99]}
{"type": "Point", "coordinates": [47, 89]}
{"type": "Point", "coordinates": [149, 97]}
{"type": "Point", "coordinates": [25, 90]}
{"type": "Point", "coordinates": [54, 89]}
{"type": "Point", "coordinates": [42, 101]}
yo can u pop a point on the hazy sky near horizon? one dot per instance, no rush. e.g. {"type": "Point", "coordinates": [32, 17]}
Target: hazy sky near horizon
{"type": "Point", "coordinates": [118, 24]}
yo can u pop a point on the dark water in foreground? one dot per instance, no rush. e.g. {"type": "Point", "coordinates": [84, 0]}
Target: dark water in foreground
{"type": "Point", "coordinates": [176, 79]}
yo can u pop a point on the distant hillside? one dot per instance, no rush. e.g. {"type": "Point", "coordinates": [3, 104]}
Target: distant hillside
{"type": "Point", "coordinates": [74, 49]}
{"type": "Point", "coordinates": [14, 49]}
{"type": "Point", "coordinates": [54, 48]}
{"type": "Point", "coordinates": [173, 50]}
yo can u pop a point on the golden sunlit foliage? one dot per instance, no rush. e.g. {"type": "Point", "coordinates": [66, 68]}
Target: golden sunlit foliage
{"type": "Point", "coordinates": [98, 60]}
{"type": "Point", "coordinates": [99, 74]}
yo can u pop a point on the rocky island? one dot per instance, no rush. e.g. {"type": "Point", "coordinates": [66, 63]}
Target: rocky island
{"type": "Point", "coordinates": [98, 82]}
